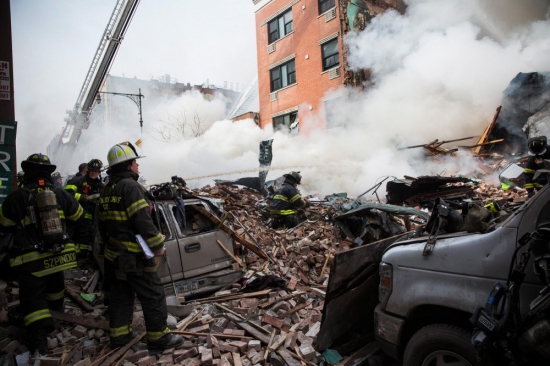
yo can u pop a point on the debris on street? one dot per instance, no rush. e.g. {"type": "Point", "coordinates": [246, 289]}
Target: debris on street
{"type": "Point", "coordinates": [275, 313]}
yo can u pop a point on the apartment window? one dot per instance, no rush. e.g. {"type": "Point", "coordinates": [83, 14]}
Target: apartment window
{"type": "Point", "coordinates": [283, 76]}
{"type": "Point", "coordinates": [280, 26]}
{"type": "Point", "coordinates": [283, 122]}
{"type": "Point", "coordinates": [325, 5]}
{"type": "Point", "coordinates": [330, 54]}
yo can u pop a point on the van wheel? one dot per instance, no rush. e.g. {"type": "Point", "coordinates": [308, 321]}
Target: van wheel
{"type": "Point", "coordinates": [440, 345]}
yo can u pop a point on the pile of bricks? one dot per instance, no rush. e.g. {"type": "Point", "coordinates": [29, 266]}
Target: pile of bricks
{"type": "Point", "coordinates": [232, 327]}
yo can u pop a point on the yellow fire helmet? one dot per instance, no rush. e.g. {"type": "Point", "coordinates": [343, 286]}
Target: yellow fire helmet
{"type": "Point", "coordinates": [122, 152]}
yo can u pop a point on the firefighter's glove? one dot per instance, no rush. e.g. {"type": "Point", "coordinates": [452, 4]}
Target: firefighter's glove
{"type": "Point", "coordinates": [84, 198]}
{"type": "Point", "coordinates": [530, 193]}
{"type": "Point", "coordinates": [308, 204]}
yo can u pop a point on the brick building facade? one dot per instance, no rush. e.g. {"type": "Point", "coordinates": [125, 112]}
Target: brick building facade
{"type": "Point", "coordinates": [301, 57]}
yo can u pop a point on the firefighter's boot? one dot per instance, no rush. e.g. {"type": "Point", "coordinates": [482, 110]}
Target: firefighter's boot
{"type": "Point", "coordinates": [167, 341]}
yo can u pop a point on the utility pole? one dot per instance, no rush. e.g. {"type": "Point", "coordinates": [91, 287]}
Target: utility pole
{"type": "Point", "coordinates": [8, 126]}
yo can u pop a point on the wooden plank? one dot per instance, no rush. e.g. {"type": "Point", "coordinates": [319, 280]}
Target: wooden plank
{"type": "Point", "coordinates": [122, 350]}
{"type": "Point", "coordinates": [219, 335]}
{"type": "Point", "coordinates": [269, 303]}
{"type": "Point", "coordinates": [90, 322]}
{"type": "Point", "coordinates": [295, 310]}
{"type": "Point", "coordinates": [229, 252]}
{"type": "Point", "coordinates": [79, 300]}
{"type": "Point", "coordinates": [191, 320]}
{"type": "Point", "coordinates": [215, 220]}
{"type": "Point", "coordinates": [266, 353]}
{"type": "Point", "coordinates": [236, 359]}
{"type": "Point", "coordinates": [291, 361]}
{"type": "Point", "coordinates": [242, 319]}
{"type": "Point", "coordinates": [231, 297]}
{"type": "Point", "coordinates": [487, 132]}
{"type": "Point", "coordinates": [248, 328]}
{"type": "Point", "coordinates": [93, 285]}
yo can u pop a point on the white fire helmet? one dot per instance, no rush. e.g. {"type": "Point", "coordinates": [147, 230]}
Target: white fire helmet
{"type": "Point", "coordinates": [122, 152]}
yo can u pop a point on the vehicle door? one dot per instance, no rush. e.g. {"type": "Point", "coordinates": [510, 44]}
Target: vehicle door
{"type": "Point", "coordinates": [162, 217]}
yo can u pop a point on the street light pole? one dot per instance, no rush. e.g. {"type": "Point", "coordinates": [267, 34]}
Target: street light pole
{"type": "Point", "coordinates": [136, 98]}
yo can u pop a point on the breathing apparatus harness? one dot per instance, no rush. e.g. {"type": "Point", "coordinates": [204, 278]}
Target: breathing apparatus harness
{"type": "Point", "coordinates": [43, 213]}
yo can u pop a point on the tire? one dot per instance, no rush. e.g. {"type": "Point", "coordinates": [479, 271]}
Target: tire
{"type": "Point", "coordinates": [440, 345]}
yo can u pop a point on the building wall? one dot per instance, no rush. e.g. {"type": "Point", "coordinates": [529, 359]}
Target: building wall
{"type": "Point", "coordinates": [252, 115]}
{"type": "Point", "coordinates": [303, 42]}
{"type": "Point", "coordinates": [312, 83]}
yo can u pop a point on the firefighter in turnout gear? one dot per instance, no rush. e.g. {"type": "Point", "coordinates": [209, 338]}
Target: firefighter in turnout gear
{"type": "Point", "coordinates": [286, 200]}
{"type": "Point", "coordinates": [86, 190]}
{"type": "Point", "coordinates": [538, 151]}
{"type": "Point", "coordinates": [57, 179]}
{"type": "Point", "coordinates": [41, 250]}
{"type": "Point", "coordinates": [124, 215]}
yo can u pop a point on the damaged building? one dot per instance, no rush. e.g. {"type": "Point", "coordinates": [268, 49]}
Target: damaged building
{"type": "Point", "coordinates": [298, 42]}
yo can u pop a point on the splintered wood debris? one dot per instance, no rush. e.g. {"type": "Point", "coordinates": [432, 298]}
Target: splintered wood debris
{"type": "Point", "coordinates": [274, 324]}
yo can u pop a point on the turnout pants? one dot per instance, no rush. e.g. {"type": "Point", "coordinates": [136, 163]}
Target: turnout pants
{"type": "Point", "coordinates": [37, 296]}
{"type": "Point", "coordinates": [284, 221]}
{"type": "Point", "coordinates": [150, 293]}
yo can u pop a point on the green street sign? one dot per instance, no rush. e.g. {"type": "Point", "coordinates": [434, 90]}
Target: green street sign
{"type": "Point", "coordinates": [8, 132]}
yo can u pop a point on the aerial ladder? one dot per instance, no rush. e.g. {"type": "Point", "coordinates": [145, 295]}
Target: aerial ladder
{"type": "Point", "coordinates": [78, 117]}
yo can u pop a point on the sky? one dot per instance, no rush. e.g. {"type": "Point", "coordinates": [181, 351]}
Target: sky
{"type": "Point", "coordinates": [438, 71]}
{"type": "Point", "coordinates": [54, 42]}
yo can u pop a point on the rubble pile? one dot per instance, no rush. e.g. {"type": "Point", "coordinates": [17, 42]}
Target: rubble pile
{"type": "Point", "coordinates": [259, 321]}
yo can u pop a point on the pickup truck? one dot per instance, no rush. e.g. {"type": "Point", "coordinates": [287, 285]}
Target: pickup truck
{"type": "Point", "coordinates": [198, 264]}
{"type": "Point", "coordinates": [417, 307]}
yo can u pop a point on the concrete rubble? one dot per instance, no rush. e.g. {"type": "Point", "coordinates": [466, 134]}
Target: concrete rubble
{"type": "Point", "coordinates": [271, 325]}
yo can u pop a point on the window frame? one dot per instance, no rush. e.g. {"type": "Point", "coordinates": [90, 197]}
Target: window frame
{"type": "Point", "coordinates": [323, 4]}
{"type": "Point", "coordinates": [325, 57]}
{"type": "Point", "coordinates": [281, 25]}
{"type": "Point", "coordinates": [282, 119]}
{"type": "Point", "coordinates": [287, 78]}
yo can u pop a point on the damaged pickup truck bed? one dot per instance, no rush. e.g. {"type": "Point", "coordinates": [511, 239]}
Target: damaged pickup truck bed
{"type": "Point", "coordinates": [417, 307]}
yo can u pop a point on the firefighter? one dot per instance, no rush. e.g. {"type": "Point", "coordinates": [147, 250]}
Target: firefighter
{"type": "Point", "coordinates": [86, 191]}
{"type": "Point", "coordinates": [538, 151]}
{"type": "Point", "coordinates": [124, 214]}
{"type": "Point", "coordinates": [286, 200]}
{"type": "Point", "coordinates": [57, 179]}
{"type": "Point", "coordinates": [40, 251]}
{"type": "Point", "coordinates": [82, 169]}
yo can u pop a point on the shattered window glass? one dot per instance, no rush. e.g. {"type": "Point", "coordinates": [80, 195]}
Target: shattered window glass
{"type": "Point", "coordinates": [330, 54]}
{"type": "Point", "coordinates": [280, 26]}
{"type": "Point", "coordinates": [284, 122]}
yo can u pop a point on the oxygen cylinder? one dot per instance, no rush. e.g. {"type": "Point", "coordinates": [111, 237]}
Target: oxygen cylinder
{"type": "Point", "coordinates": [50, 222]}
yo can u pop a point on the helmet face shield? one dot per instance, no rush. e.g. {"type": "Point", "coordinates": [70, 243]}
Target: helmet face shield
{"type": "Point", "coordinates": [537, 145]}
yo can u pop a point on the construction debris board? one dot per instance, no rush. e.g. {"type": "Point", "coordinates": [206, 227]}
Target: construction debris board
{"type": "Point", "coordinates": [236, 325]}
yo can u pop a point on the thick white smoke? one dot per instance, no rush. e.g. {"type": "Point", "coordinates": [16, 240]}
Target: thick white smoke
{"type": "Point", "coordinates": [438, 70]}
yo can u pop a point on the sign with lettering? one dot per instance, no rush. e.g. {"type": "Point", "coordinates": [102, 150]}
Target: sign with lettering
{"type": "Point", "coordinates": [5, 81]}
{"type": "Point", "coordinates": [8, 131]}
